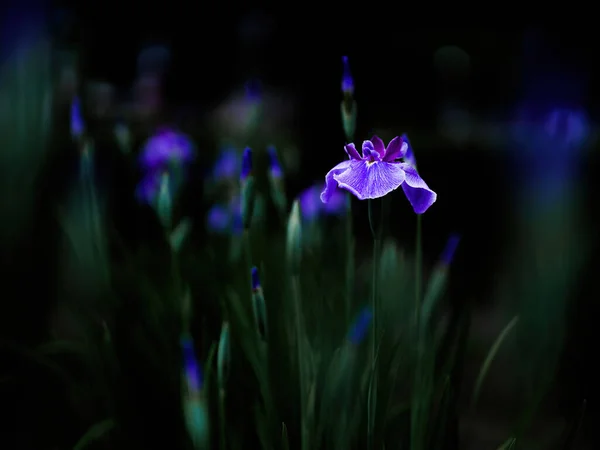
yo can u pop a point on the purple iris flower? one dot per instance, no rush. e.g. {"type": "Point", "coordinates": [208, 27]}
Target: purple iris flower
{"type": "Point", "coordinates": [378, 172]}
{"type": "Point", "coordinates": [312, 207]}
{"type": "Point", "coordinates": [166, 148]}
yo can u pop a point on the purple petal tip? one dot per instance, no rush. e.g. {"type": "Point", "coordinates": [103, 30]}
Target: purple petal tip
{"type": "Point", "coordinates": [255, 278]}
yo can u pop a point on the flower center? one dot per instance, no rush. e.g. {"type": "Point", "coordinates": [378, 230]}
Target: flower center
{"type": "Point", "coordinates": [370, 163]}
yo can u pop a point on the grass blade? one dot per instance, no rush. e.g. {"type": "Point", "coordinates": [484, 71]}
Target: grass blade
{"type": "Point", "coordinates": [490, 357]}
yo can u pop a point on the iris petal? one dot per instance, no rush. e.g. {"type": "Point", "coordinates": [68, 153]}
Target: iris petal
{"type": "Point", "coordinates": [378, 145]}
{"type": "Point", "coordinates": [352, 152]}
{"type": "Point", "coordinates": [330, 182]}
{"type": "Point", "coordinates": [370, 180]}
{"type": "Point", "coordinates": [396, 149]}
{"type": "Point", "coordinates": [418, 193]}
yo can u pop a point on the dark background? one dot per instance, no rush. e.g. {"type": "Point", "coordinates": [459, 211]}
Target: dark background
{"type": "Point", "coordinates": [398, 87]}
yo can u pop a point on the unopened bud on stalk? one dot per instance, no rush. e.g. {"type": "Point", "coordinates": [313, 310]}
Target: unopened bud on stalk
{"type": "Point", "coordinates": [86, 160]}
{"type": "Point", "coordinates": [348, 106]}
{"type": "Point", "coordinates": [276, 180]}
{"type": "Point", "coordinates": [349, 111]}
{"type": "Point", "coordinates": [77, 123]}
{"type": "Point", "coordinates": [294, 238]}
{"type": "Point", "coordinates": [258, 305]}
{"type": "Point", "coordinates": [439, 278]}
{"type": "Point", "coordinates": [248, 188]}
{"type": "Point", "coordinates": [164, 202]}
{"type": "Point", "coordinates": [123, 136]}
{"type": "Point", "coordinates": [223, 356]}
{"type": "Point", "coordinates": [178, 235]}
{"type": "Point", "coordinates": [194, 404]}
{"type": "Point", "coordinates": [360, 326]}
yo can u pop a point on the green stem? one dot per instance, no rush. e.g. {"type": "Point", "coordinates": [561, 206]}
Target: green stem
{"type": "Point", "coordinates": [376, 223]}
{"type": "Point", "coordinates": [349, 262]}
{"type": "Point", "coordinates": [301, 366]}
{"type": "Point", "coordinates": [417, 435]}
{"type": "Point", "coordinates": [418, 271]}
{"type": "Point", "coordinates": [374, 342]}
{"type": "Point", "coordinates": [222, 434]}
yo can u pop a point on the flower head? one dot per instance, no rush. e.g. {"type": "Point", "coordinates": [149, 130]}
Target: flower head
{"type": "Point", "coordinates": [166, 148]}
{"type": "Point", "coordinates": [376, 173]}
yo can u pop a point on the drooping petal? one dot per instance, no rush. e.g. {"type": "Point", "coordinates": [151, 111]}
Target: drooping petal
{"type": "Point", "coordinates": [370, 180]}
{"type": "Point", "coordinates": [418, 193]}
{"type": "Point", "coordinates": [352, 152]}
{"type": "Point", "coordinates": [330, 182]}
{"type": "Point", "coordinates": [378, 145]}
{"type": "Point", "coordinates": [336, 205]}
{"type": "Point", "coordinates": [396, 149]}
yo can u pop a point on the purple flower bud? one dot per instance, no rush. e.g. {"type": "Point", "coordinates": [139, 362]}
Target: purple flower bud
{"type": "Point", "coordinates": [193, 371]}
{"type": "Point", "coordinates": [451, 246]}
{"type": "Point", "coordinates": [77, 124]}
{"type": "Point", "coordinates": [359, 328]}
{"type": "Point", "coordinates": [255, 279]}
{"type": "Point", "coordinates": [347, 81]}
{"type": "Point", "coordinates": [274, 165]}
{"type": "Point", "coordinates": [246, 164]}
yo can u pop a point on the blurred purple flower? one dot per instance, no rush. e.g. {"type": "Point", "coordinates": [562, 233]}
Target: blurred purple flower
{"type": "Point", "coordinates": [227, 165]}
{"type": "Point", "coordinates": [312, 207]}
{"type": "Point", "coordinates": [218, 219]}
{"type": "Point", "coordinates": [550, 125]}
{"type": "Point", "coordinates": [223, 219]}
{"type": "Point", "coordinates": [166, 148]}
{"type": "Point", "coordinates": [378, 172]}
